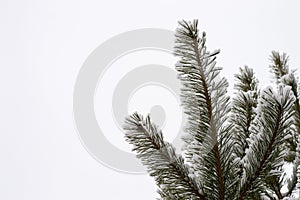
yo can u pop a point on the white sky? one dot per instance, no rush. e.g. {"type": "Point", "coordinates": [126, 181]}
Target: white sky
{"type": "Point", "coordinates": [42, 47]}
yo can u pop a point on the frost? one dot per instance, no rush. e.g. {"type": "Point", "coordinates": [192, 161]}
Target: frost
{"type": "Point", "coordinates": [288, 136]}
{"type": "Point", "coordinates": [237, 160]}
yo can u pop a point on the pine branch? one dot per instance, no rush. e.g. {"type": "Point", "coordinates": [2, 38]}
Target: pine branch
{"type": "Point", "coordinates": [238, 155]}
{"type": "Point", "coordinates": [265, 153]}
{"type": "Point", "coordinates": [168, 168]}
{"type": "Point", "coordinates": [207, 108]}
{"type": "Point", "coordinates": [246, 81]}
{"type": "Point", "coordinates": [290, 80]}
{"type": "Point", "coordinates": [283, 75]}
{"type": "Point", "coordinates": [243, 109]}
{"type": "Point", "coordinates": [279, 65]}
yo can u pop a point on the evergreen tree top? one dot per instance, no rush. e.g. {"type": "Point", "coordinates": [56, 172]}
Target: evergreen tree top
{"type": "Point", "coordinates": [236, 149]}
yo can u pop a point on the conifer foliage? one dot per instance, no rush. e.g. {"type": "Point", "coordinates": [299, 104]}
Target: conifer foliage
{"type": "Point", "coordinates": [234, 149]}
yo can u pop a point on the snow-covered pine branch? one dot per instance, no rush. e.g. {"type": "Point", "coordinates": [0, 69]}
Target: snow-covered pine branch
{"type": "Point", "coordinates": [265, 153]}
{"type": "Point", "coordinates": [283, 75]}
{"type": "Point", "coordinates": [161, 160]}
{"type": "Point", "coordinates": [207, 106]}
{"type": "Point", "coordinates": [234, 151]}
{"type": "Point", "coordinates": [243, 110]}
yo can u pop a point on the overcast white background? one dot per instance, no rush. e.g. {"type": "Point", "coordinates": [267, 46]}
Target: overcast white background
{"type": "Point", "coordinates": [42, 47]}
